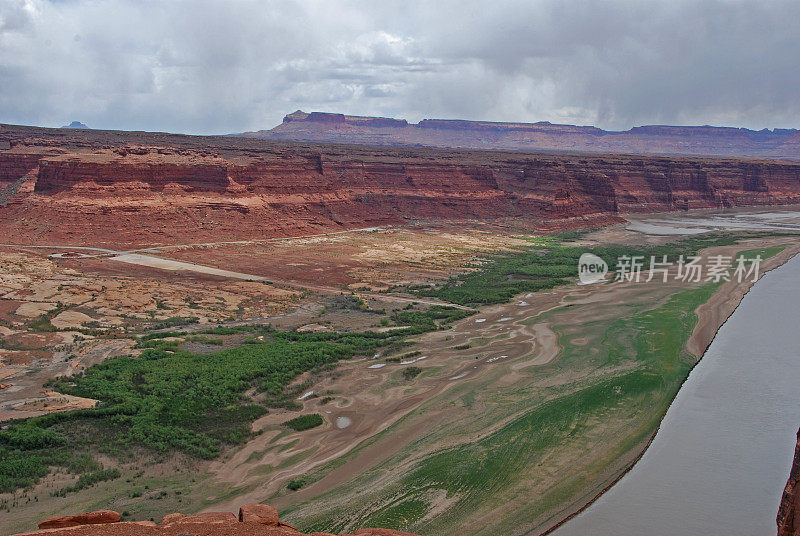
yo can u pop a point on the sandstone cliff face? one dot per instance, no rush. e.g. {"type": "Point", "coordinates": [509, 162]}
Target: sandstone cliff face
{"type": "Point", "coordinates": [154, 172]}
{"type": "Point", "coordinates": [15, 166]}
{"type": "Point", "coordinates": [789, 510]}
{"type": "Point", "coordinates": [114, 188]}
{"type": "Point", "coordinates": [253, 520]}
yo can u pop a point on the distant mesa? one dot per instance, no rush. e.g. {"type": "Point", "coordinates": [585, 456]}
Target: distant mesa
{"type": "Point", "coordinates": [542, 136]}
{"type": "Point", "coordinates": [75, 124]}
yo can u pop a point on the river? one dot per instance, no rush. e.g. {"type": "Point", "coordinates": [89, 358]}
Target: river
{"type": "Point", "coordinates": [720, 461]}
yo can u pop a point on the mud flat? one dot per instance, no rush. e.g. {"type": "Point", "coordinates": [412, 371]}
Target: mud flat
{"type": "Point", "coordinates": [484, 378]}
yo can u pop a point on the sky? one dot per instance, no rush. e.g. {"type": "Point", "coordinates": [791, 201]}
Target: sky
{"type": "Point", "coordinates": [211, 67]}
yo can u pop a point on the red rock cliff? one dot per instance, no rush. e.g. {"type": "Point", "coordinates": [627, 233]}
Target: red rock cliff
{"type": "Point", "coordinates": [137, 188]}
{"type": "Point", "coordinates": [789, 510]}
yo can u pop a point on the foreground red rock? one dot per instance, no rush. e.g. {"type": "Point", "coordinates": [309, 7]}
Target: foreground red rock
{"type": "Point", "coordinates": [789, 511]}
{"type": "Point", "coordinates": [253, 520]}
{"type": "Point", "coordinates": [91, 518]}
{"type": "Point", "coordinates": [122, 188]}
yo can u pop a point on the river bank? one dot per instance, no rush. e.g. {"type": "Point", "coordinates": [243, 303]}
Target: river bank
{"type": "Point", "coordinates": [658, 493]}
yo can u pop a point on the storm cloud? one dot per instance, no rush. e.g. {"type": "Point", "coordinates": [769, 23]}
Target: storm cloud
{"type": "Point", "coordinates": [217, 67]}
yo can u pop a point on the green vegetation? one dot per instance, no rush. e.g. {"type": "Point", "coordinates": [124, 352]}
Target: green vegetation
{"type": "Point", "coordinates": [160, 335]}
{"type": "Point", "coordinates": [764, 253]}
{"type": "Point", "coordinates": [304, 422]}
{"type": "Point", "coordinates": [20, 468]}
{"type": "Point", "coordinates": [400, 514]}
{"type": "Point", "coordinates": [223, 330]}
{"type": "Point", "coordinates": [434, 317]}
{"type": "Point", "coordinates": [296, 483]}
{"type": "Point", "coordinates": [89, 479]}
{"type": "Point", "coordinates": [547, 265]}
{"type": "Point", "coordinates": [409, 373]}
{"type": "Point", "coordinates": [26, 436]}
{"type": "Point", "coordinates": [175, 321]}
{"type": "Point", "coordinates": [205, 340]}
{"type": "Point", "coordinates": [407, 355]}
{"type": "Point", "coordinates": [169, 399]}
{"type": "Point", "coordinates": [42, 323]}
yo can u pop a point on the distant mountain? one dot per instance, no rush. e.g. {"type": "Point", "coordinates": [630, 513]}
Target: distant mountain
{"type": "Point", "coordinates": [75, 124]}
{"type": "Point", "coordinates": [542, 136]}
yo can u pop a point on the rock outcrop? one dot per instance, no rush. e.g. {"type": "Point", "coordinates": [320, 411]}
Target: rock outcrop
{"type": "Point", "coordinates": [253, 520]}
{"type": "Point", "coordinates": [448, 133]}
{"type": "Point", "coordinates": [115, 188]}
{"type": "Point", "coordinates": [789, 510]}
{"type": "Point", "coordinates": [91, 518]}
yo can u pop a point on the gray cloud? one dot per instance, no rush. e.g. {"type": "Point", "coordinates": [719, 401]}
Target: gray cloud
{"type": "Point", "coordinates": [212, 67]}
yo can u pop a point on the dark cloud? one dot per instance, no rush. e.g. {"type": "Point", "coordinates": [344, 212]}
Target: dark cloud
{"type": "Point", "coordinates": [209, 67]}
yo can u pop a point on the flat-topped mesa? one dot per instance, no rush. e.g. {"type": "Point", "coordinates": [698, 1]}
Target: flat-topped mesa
{"type": "Point", "coordinates": [491, 126]}
{"type": "Point", "coordinates": [543, 135]}
{"type": "Point", "coordinates": [253, 520]}
{"type": "Point", "coordinates": [330, 118]}
{"type": "Point", "coordinates": [721, 132]}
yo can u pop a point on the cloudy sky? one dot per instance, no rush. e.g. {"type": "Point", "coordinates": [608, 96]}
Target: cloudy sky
{"type": "Point", "coordinates": [228, 66]}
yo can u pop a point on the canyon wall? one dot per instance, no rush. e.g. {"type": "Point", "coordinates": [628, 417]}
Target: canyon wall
{"type": "Point", "coordinates": [789, 510]}
{"type": "Point", "coordinates": [93, 187]}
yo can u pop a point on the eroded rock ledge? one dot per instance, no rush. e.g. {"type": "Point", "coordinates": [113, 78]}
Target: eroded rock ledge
{"type": "Point", "coordinates": [253, 520]}
{"type": "Point", "coordinates": [789, 511]}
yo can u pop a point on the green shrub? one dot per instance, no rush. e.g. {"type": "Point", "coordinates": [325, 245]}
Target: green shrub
{"type": "Point", "coordinates": [25, 436]}
{"type": "Point", "coordinates": [409, 373]}
{"type": "Point", "coordinates": [304, 422]}
{"type": "Point", "coordinates": [296, 483]}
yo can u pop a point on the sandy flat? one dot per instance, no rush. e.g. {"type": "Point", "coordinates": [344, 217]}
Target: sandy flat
{"type": "Point", "coordinates": [34, 309]}
{"type": "Point", "coordinates": [70, 319]}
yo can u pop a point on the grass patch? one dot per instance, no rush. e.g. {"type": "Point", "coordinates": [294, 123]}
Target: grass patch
{"type": "Point", "coordinates": [498, 278]}
{"type": "Point", "coordinates": [409, 373]}
{"type": "Point", "coordinates": [88, 480]}
{"type": "Point", "coordinates": [764, 253]}
{"type": "Point", "coordinates": [305, 422]}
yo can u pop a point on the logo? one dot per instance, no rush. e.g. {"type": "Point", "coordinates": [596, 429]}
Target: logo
{"type": "Point", "coordinates": [591, 269]}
